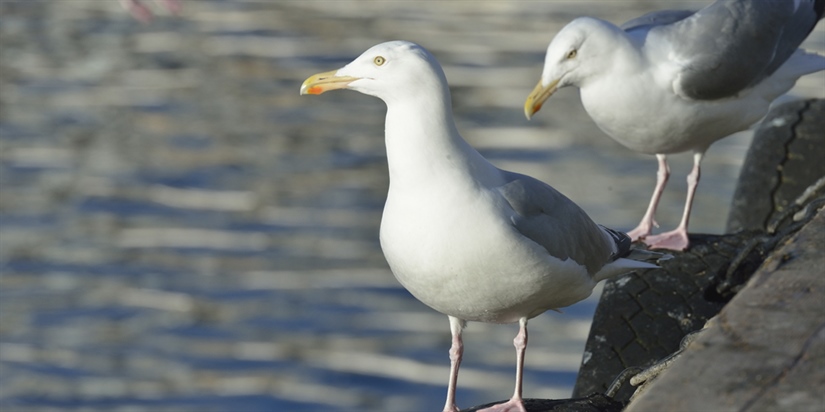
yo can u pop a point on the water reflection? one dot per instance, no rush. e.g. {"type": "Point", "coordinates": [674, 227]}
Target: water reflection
{"type": "Point", "coordinates": [182, 231]}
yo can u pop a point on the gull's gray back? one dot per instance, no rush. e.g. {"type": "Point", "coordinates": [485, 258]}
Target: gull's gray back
{"type": "Point", "coordinates": [732, 44]}
{"type": "Point", "coordinates": [656, 18]}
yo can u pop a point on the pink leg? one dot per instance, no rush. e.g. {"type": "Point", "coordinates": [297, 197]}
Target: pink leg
{"type": "Point", "coordinates": [142, 13]}
{"type": "Point", "coordinates": [456, 350]}
{"type": "Point", "coordinates": [648, 222]}
{"type": "Point", "coordinates": [677, 239]}
{"type": "Point", "coordinates": [172, 5]}
{"type": "Point", "coordinates": [516, 403]}
{"type": "Point", "coordinates": [138, 10]}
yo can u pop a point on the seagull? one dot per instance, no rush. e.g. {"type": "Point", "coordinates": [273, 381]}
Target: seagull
{"type": "Point", "coordinates": [675, 81]}
{"type": "Point", "coordinates": [467, 239]}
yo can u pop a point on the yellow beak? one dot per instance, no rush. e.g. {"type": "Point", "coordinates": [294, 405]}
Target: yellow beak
{"type": "Point", "coordinates": [537, 97]}
{"type": "Point", "coordinates": [326, 81]}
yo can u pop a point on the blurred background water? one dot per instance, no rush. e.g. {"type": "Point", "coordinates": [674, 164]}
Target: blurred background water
{"type": "Point", "coordinates": [180, 230]}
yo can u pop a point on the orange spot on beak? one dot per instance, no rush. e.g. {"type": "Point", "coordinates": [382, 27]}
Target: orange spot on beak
{"type": "Point", "coordinates": [315, 90]}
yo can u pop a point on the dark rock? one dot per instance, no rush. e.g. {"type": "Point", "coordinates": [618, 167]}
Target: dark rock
{"type": "Point", "coordinates": [786, 157]}
{"type": "Point", "coordinates": [593, 403]}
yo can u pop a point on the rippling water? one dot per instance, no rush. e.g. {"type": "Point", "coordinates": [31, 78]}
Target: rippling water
{"type": "Point", "coordinates": [182, 231]}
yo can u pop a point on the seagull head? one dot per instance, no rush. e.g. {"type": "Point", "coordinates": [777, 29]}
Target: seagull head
{"type": "Point", "coordinates": [388, 71]}
{"type": "Point", "coordinates": [571, 57]}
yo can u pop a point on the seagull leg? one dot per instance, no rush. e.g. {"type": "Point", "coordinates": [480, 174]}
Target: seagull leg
{"type": "Point", "coordinates": [137, 9]}
{"type": "Point", "coordinates": [677, 239]}
{"type": "Point", "coordinates": [173, 6]}
{"type": "Point", "coordinates": [648, 222]}
{"type": "Point", "coordinates": [516, 403]}
{"type": "Point", "coordinates": [456, 350]}
{"type": "Point", "coordinates": [142, 13]}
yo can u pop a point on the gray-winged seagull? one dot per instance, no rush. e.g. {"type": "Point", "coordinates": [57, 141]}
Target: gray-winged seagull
{"type": "Point", "coordinates": [470, 240]}
{"type": "Point", "coordinates": [675, 81]}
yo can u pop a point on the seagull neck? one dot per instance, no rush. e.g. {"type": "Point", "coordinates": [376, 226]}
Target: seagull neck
{"type": "Point", "coordinates": [620, 53]}
{"type": "Point", "coordinates": [423, 143]}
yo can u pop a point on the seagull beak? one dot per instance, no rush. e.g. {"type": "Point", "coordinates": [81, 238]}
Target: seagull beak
{"type": "Point", "coordinates": [538, 96]}
{"type": "Point", "coordinates": [326, 81]}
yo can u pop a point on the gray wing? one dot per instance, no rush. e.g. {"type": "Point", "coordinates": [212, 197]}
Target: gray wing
{"type": "Point", "coordinates": [731, 45]}
{"type": "Point", "coordinates": [550, 219]}
{"type": "Point", "coordinates": [656, 18]}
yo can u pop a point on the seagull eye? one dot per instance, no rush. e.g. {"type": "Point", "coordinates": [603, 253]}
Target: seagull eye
{"type": "Point", "coordinates": [379, 60]}
{"type": "Point", "coordinates": [571, 54]}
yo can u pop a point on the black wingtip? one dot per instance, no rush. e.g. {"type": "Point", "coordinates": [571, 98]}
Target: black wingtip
{"type": "Point", "coordinates": [819, 8]}
{"type": "Point", "coordinates": [621, 239]}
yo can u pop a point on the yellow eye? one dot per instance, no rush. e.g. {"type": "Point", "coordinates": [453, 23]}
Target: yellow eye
{"type": "Point", "coordinates": [379, 60]}
{"type": "Point", "coordinates": [571, 54]}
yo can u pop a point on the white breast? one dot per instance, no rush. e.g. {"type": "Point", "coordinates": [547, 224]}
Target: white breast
{"type": "Point", "coordinates": [447, 255]}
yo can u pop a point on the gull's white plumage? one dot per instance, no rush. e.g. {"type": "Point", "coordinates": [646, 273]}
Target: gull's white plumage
{"type": "Point", "coordinates": [470, 240]}
{"type": "Point", "coordinates": [677, 81]}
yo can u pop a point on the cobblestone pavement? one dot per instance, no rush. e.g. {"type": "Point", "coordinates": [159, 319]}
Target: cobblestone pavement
{"type": "Point", "coordinates": [181, 231]}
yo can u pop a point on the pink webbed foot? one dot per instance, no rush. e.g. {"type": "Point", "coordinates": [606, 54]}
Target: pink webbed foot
{"type": "Point", "coordinates": [673, 240]}
{"type": "Point", "coordinates": [513, 405]}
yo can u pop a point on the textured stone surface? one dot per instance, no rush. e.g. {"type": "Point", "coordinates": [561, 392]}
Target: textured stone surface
{"type": "Point", "coordinates": [766, 349]}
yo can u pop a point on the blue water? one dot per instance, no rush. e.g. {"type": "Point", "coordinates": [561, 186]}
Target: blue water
{"type": "Point", "coordinates": [205, 239]}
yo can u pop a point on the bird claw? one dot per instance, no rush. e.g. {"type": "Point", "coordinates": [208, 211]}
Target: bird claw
{"type": "Point", "coordinates": [643, 230]}
{"type": "Point", "coordinates": [640, 232]}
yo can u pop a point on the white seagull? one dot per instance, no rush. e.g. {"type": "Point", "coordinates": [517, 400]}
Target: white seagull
{"type": "Point", "coordinates": [675, 80]}
{"type": "Point", "coordinates": [467, 239]}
